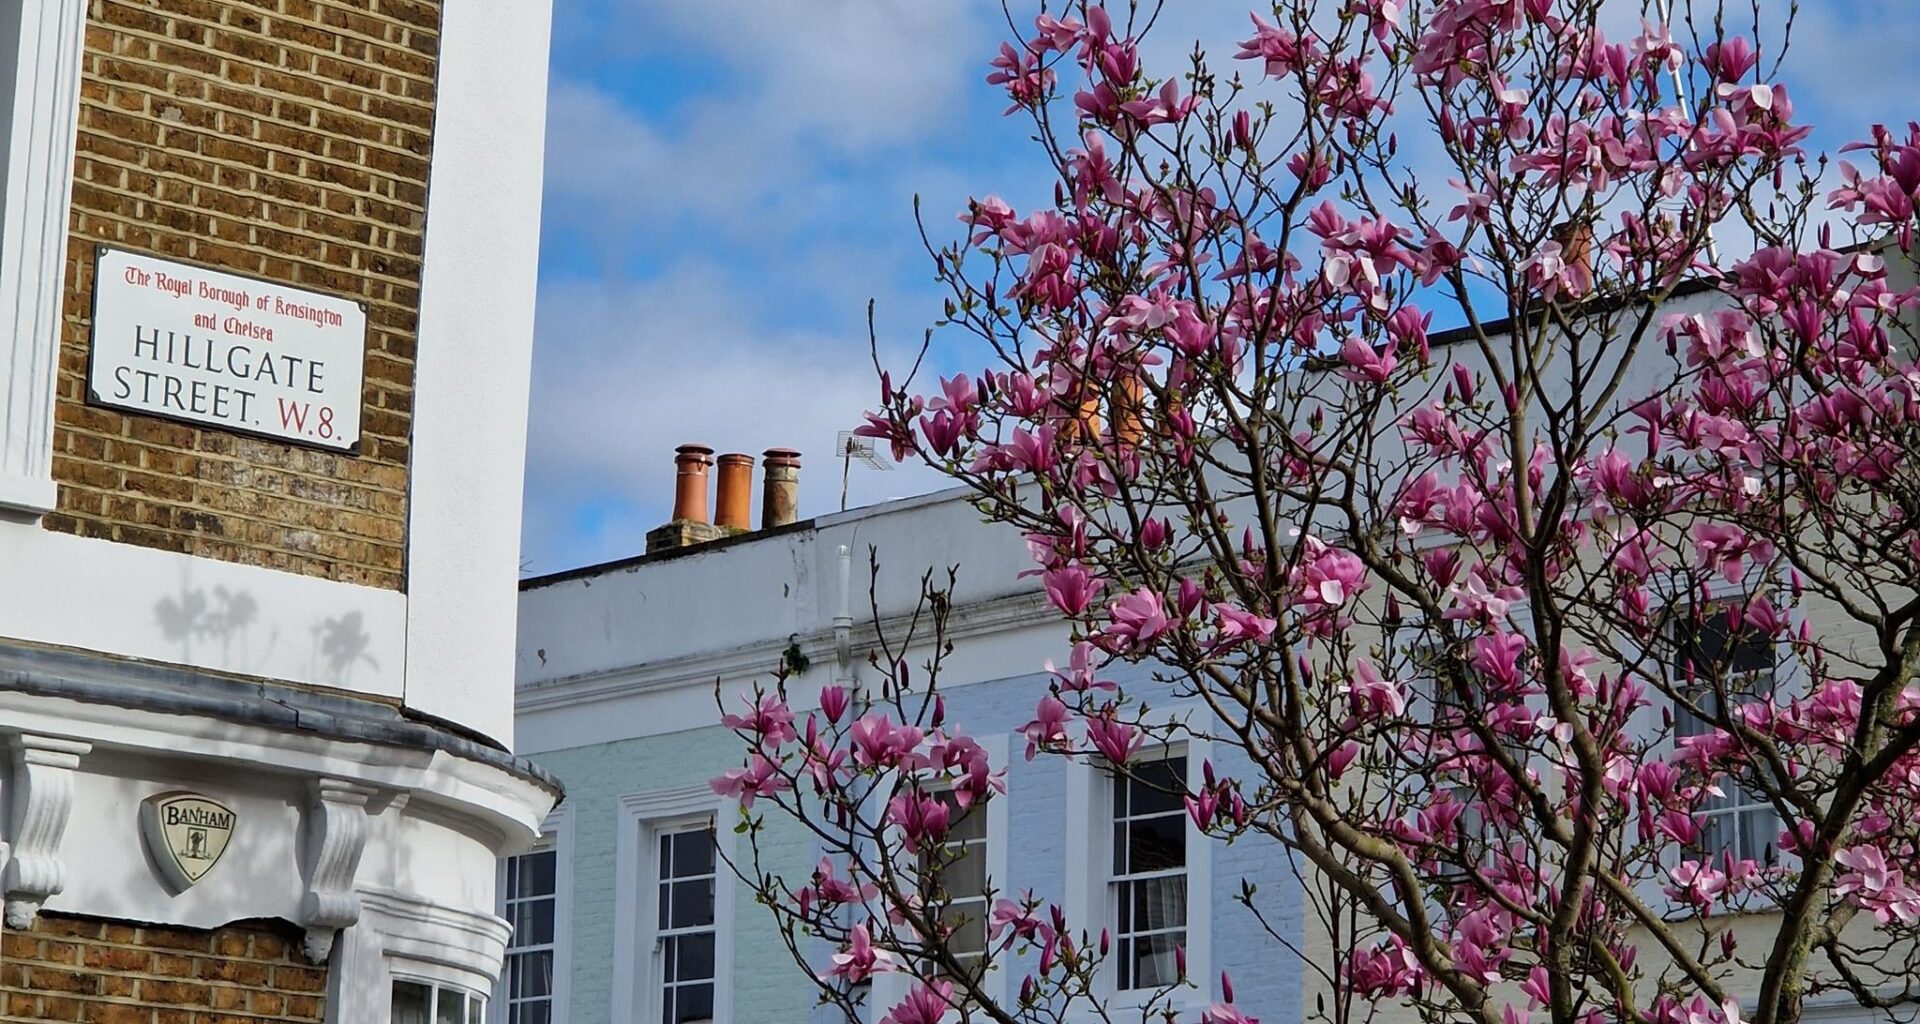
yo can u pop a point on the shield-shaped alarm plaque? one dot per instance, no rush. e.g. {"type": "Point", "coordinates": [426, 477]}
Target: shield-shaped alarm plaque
{"type": "Point", "coordinates": [185, 835]}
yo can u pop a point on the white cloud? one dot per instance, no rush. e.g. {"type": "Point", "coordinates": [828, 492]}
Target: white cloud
{"type": "Point", "coordinates": [625, 372]}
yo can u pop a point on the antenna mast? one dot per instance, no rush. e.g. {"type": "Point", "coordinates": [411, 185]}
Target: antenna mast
{"type": "Point", "coordinates": [854, 448]}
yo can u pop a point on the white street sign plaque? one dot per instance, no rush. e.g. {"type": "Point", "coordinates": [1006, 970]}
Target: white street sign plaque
{"type": "Point", "coordinates": [225, 351]}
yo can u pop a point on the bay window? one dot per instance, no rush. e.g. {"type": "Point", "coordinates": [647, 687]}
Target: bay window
{"type": "Point", "coordinates": [424, 1002]}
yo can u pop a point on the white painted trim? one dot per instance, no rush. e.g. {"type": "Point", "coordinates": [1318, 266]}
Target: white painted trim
{"type": "Point", "coordinates": [489, 796]}
{"type": "Point", "coordinates": [177, 609]}
{"type": "Point", "coordinates": [40, 47]}
{"type": "Point", "coordinates": [463, 948]}
{"type": "Point", "coordinates": [477, 293]}
{"type": "Point", "coordinates": [641, 818]}
{"type": "Point", "coordinates": [974, 619]}
{"type": "Point", "coordinates": [999, 821]}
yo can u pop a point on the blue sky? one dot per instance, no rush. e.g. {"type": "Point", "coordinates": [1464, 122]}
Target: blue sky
{"type": "Point", "coordinates": [730, 181]}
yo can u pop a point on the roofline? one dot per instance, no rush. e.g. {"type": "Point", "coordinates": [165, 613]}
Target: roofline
{"type": "Point", "coordinates": [1598, 304]}
{"type": "Point", "coordinates": [854, 514]}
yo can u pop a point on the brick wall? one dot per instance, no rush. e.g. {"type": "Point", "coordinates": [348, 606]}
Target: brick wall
{"type": "Point", "coordinates": [283, 139]}
{"type": "Point", "coordinates": [82, 969]}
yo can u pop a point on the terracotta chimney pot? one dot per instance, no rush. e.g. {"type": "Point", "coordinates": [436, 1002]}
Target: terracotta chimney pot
{"type": "Point", "coordinates": [733, 501]}
{"type": "Point", "coordinates": [1576, 244]}
{"type": "Point", "coordinates": [690, 484]}
{"type": "Point", "coordinates": [1129, 401]}
{"type": "Point", "coordinates": [780, 491]}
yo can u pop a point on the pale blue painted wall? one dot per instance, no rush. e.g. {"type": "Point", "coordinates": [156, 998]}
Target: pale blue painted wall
{"type": "Point", "coordinates": [767, 989]}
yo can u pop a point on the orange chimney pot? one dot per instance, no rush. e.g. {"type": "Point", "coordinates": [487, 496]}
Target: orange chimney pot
{"type": "Point", "coordinates": [690, 483]}
{"type": "Point", "coordinates": [733, 501]}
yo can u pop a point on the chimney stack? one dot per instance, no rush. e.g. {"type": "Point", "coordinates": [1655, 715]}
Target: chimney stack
{"type": "Point", "coordinates": [780, 493]}
{"type": "Point", "coordinates": [689, 524]}
{"type": "Point", "coordinates": [733, 502]}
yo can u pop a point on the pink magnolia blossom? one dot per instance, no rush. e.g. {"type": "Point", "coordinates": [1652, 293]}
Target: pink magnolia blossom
{"type": "Point", "coordinates": [859, 960]}
{"type": "Point", "coordinates": [926, 1003]}
{"type": "Point", "coordinates": [1696, 883]}
{"type": "Point", "coordinates": [921, 818]}
{"type": "Point", "coordinates": [1048, 729]}
{"type": "Point", "coordinates": [759, 778]}
{"type": "Point", "coordinates": [1138, 619]}
{"type": "Point", "coordinates": [769, 719]}
{"type": "Point", "coordinates": [877, 741]}
{"type": "Point", "coordinates": [1373, 696]}
{"type": "Point", "coordinates": [1237, 625]}
{"type": "Point", "coordinates": [1072, 589]}
{"type": "Point", "coordinates": [1114, 739]}
{"type": "Point", "coordinates": [1876, 885]}
{"type": "Point", "coordinates": [1080, 672]}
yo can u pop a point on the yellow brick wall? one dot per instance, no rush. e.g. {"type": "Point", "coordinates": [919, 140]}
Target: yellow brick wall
{"type": "Point", "coordinates": [107, 972]}
{"type": "Point", "coordinates": [283, 139]}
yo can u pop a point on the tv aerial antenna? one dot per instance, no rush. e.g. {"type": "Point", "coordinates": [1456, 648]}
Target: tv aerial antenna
{"type": "Point", "coordinates": [854, 448]}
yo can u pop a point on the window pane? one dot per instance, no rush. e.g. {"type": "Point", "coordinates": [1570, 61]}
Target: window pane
{"type": "Point", "coordinates": [530, 975]}
{"type": "Point", "coordinates": [476, 1010]}
{"type": "Point", "coordinates": [692, 904]}
{"type": "Point", "coordinates": [412, 1002]}
{"type": "Point", "coordinates": [692, 854]}
{"type": "Point", "coordinates": [1758, 834]}
{"type": "Point", "coordinates": [1156, 844]}
{"type": "Point", "coordinates": [1153, 962]}
{"type": "Point", "coordinates": [966, 873]}
{"type": "Point", "coordinates": [690, 957]}
{"type": "Point", "coordinates": [1158, 903]}
{"type": "Point", "coordinates": [531, 1013]}
{"type": "Point", "coordinates": [1157, 786]}
{"type": "Point", "coordinates": [695, 1003]}
{"type": "Point", "coordinates": [532, 923]}
{"type": "Point", "coordinates": [451, 1008]}
{"type": "Point", "coordinates": [968, 922]}
{"type": "Point", "coordinates": [535, 876]}
{"type": "Point", "coordinates": [968, 824]}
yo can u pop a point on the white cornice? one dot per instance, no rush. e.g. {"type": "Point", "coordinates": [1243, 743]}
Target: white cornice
{"type": "Point", "coordinates": [980, 618]}
{"type": "Point", "coordinates": [505, 804]}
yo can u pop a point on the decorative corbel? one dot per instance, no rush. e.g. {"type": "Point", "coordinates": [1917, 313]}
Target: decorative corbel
{"type": "Point", "coordinates": [42, 802]}
{"type": "Point", "coordinates": [336, 833]}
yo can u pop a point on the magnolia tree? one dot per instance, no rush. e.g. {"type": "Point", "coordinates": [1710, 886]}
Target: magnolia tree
{"type": "Point", "coordinates": [1569, 656]}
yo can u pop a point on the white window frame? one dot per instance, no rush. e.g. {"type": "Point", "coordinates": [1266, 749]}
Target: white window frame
{"type": "Point", "coordinates": [1789, 678]}
{"type": "Point", "coordinates": [642, 819]}
{"type": "Point", "coordinates": [888, 988]}
{"type": "Point", "coordinates": [1090, 814]}
{"type": "Point", "coordinates": [411, 973]}
{"type": "Point", "coordinates": [1718, 598]}
{"type": "Point", "coordinates": [1424, 687]}
{"type": "Point", "coordinates": [556, 836]}
{"type": "Point", "coordinates": [40, 51]}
